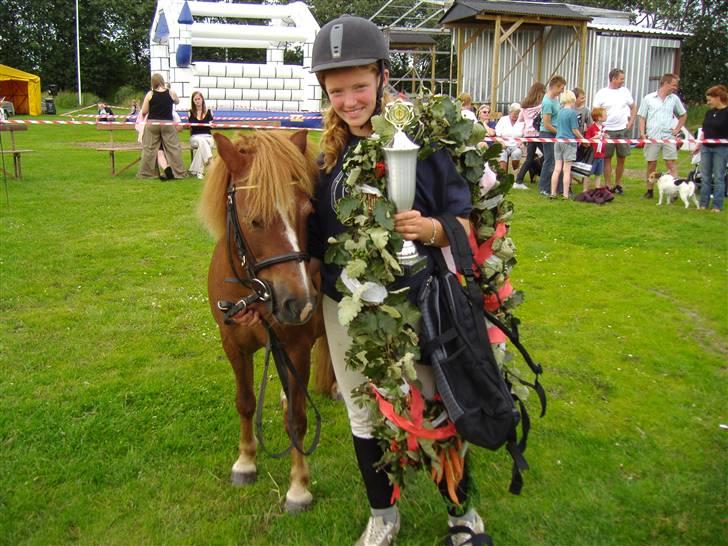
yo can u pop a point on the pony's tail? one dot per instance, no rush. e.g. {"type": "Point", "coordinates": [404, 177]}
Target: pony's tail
{"type": "Point", "coordinates": [324, 380]}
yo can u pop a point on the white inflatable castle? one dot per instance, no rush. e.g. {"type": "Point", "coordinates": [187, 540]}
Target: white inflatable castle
{"type": "Point", "coordinates": [273, 89]}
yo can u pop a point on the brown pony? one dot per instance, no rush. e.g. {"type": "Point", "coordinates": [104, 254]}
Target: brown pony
{"type": "Point", "coordinates": [268, 178]}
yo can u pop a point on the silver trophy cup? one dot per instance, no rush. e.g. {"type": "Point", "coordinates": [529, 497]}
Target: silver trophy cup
{"type": "Point", "coordinates": [401, 159]}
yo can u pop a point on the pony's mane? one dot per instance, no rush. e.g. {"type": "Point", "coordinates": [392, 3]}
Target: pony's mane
{"type": "Point", "coordinates": [277, 168]}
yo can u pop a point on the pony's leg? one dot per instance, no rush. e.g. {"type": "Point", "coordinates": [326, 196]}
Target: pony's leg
{"type": "Point", "coordinates": [298, 497]}
{"type": "Point", "coordinates": [324, 378]}
{"type": "Point", "coordinates": [244, 470]}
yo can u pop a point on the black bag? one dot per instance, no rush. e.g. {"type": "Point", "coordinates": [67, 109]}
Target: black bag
{"type": "Point", "coordinates": [454, 340]}
{"type": "Point", "coordinates": [584, 159]}
{"type": "Point", "coordinates": [537, 122]}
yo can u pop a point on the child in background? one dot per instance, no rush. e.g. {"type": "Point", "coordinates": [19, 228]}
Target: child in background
{"type": "Point", "coordinates": [595, 132]}
{"type": "Point", "coordinates": [567, 126]}
{"type": "Point", "coordinates": [583, 116]}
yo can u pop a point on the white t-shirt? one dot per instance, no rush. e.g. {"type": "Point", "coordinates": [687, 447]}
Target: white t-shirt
{"type": "Point", "coordinates": [468, 114]}
{"type": "Point", "coordinates": [618, 104]}
{"type": "Point", "coordinates": [506, 128]}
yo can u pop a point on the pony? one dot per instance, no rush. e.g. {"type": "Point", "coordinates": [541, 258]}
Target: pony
{"type": "Point", "coordinates": [255, 203]}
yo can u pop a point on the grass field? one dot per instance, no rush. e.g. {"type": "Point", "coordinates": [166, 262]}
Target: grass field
{"type": "Point", "coordinates": [117, 421]}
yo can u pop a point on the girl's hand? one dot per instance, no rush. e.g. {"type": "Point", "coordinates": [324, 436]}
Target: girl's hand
{"type": "Point", "coordinates": [413, 226]}
{"type": "Point", "coordinates": [247, 318]}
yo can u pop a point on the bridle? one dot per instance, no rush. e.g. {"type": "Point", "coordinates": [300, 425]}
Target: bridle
{"type": "Point", "coordinates": [262, 293]}
{"type": "Point", "coordinates": [261, 290]}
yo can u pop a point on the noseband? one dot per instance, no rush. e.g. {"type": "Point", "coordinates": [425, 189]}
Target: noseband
{"type": "Point", "coordinates": [261, 291]}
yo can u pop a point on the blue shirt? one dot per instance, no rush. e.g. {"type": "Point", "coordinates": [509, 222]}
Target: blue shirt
{"type": "Point", "coordinates": [659, 114]}
{"type": "Point", "coordinates": [439, 189]}
{"type": "Point", "coordinates": [549, 106]}
{"type": "Point", "coordinates": [566, 123]}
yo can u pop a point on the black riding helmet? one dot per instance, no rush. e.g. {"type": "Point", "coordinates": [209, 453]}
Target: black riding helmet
{"type": "Point", "coordinates": [349, 41]}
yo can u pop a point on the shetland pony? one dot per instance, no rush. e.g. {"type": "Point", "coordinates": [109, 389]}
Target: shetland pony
{"type": "Point", "coordinates": [268, 178]}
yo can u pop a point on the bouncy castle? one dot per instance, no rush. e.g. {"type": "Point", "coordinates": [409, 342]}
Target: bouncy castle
{"type": "Point", "coordinates": [273, 89]}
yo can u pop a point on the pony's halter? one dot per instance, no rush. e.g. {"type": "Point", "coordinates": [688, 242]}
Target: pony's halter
{"type": "Point", "coordinates": [261, 290]}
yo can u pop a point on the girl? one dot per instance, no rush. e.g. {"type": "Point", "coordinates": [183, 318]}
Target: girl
{"type": "Point", "coordinates": [201, 140]}
{"type": "Point", "coordinates": [530, 109]}
{"type": "Point", "coordinates": [350, 60]}
{"type": "Point", "coordinates": [567, 126]}
{"type": "Point", "coordinates": [159, 106]}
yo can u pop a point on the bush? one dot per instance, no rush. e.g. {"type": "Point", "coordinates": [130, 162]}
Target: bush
{"type": "Point", "coordinates": [68, 100]}
{"type": "Point", "coordinates": [125, 94]}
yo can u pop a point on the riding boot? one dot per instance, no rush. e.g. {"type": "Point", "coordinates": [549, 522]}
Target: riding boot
{"type": "Point", "coordinates": [376, 482]}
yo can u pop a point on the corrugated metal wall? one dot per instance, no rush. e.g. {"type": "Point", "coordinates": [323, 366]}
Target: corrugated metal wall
{"type": "Point", "coordinates": [640, 57]}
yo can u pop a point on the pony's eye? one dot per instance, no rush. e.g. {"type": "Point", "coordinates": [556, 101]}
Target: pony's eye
{"type": "Point", "coordinates": [257, 223]}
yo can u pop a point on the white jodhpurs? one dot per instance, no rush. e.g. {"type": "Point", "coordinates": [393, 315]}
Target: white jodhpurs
{"type": "Point", "coordinates": [202, 146]}
{"type": "Point", "coordinates": [348, 379]}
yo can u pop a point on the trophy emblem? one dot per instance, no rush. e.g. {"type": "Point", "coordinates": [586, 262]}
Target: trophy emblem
{"type": "Point", "coordinates": [401, 159]}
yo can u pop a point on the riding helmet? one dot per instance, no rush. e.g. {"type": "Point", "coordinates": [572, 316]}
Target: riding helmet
{"type": "Point", "coordinates": [348, 41]}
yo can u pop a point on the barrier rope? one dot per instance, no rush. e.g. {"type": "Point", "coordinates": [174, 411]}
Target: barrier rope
{"type": "Point", "coordinates": [289, 117]}
{"type": "Point", "coordinates": [503, 140]}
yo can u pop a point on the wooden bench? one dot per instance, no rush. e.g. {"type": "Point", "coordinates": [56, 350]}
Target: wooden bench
{"type": "Point", "coordinates": [13, 151]}
{"type": "Point", "coordinates": [115, 147]}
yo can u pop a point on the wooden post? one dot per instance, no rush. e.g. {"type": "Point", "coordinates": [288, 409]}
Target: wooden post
{"type": "Point", "coordinates": [432, 72]}
{"type": "Point", "coordinates": [539, 69]}
{"type": "Point", "coordinates": [582, 55]}
{"type": "Point", "coordinates": [459, 83]}
{"type": "Point", "coordinates": [496, 64]}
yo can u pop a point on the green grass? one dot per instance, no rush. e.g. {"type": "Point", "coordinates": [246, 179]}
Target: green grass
{"type": "Point", "coordinates": [117, 421]}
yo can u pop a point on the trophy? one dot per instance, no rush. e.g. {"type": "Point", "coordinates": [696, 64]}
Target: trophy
{"type": "Point", "coordinates": [401, 160]}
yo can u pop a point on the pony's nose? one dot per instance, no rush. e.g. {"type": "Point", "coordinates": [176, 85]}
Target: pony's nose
{"type": "Point", "coordinates": [297, 311]}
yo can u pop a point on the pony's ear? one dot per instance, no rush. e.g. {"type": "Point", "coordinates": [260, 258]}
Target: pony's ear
{"type": "Point", "coordinates": [300, 139]}
{"type": "Point", "coordinates": [230, 155]}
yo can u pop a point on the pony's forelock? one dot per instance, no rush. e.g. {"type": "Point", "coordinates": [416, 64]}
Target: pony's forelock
{"type": "Point", "coordinates": [277, 169]}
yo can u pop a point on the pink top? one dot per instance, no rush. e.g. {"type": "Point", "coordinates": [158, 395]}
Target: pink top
{"type": "Point", "coordinates": [526, 117]}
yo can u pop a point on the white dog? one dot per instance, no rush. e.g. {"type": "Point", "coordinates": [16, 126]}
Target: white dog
{"type": "Point", "coordinates": [671, 188]}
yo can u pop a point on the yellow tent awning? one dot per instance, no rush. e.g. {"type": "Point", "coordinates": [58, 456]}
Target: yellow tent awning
{"type": "Point", "coordinates": [22, 89]}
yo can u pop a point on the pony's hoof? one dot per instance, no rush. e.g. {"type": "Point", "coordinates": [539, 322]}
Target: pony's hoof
{"type": "Point", "coordinates": [297, 506]}
{"type": "Point", "coordinates": [239, 479]}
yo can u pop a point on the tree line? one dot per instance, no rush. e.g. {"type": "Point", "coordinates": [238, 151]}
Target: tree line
{"type": "Point", "coordinates": [40, 37]}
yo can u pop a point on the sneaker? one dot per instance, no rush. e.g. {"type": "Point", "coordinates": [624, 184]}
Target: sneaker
{"type": "Point", "coordinates": [200, 176]}
{"type": "Point", "coordinates": [618, 189]}
{"type": "Point", "coordinates": [544, 193]}
{"type": "Point", "coordinates": [519, 186]}
{"type": "Point", "coordinates": [648, 195]}
{"type": "Point", "coordinates": [379, 533]}
{"type": "Point", "coordinates": [468, 529]}
{"type": "Point", "coordinates": [169, 173]}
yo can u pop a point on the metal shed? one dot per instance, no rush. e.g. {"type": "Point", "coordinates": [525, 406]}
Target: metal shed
{"type": "Point", "coordinates": [502, 47]}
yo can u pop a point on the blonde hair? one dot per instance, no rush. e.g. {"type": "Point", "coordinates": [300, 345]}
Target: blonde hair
{"type": "Point", "coordinates": [336, 131]}
{"type": "Point", "coordinates": [276, 162]}
{"type": "Point", "coordinates": [567, 97]}
{"type": "Point", "coordinates": [157, 80]}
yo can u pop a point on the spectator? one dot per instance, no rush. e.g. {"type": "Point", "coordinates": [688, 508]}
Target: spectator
{"type": "Point", "coordinates": [621, 113]}
{"type": "Point", "coordinates": [550, 107]}
{"type": "Point", "coordinates": [595, 132]}
{"type": "Point", "coordinates": [656, 114]}
{"type": "Point", "coordinates": [530, 109]}
{"type": "Point", "coordinates": [484, 119]}
{"type": "Point", "coordinates": [159, 106]}
{"type": "Point", "coordinates": [509, 127]}
{"type": "Point", "coordinates": [567, 126]}
{"type": "Point", "coordinates": [133, 114]}
{"type": "Point", "coordinates": [467, 107]}
{"type": "Point", "coordinates": [201, 140]}
{"type": "Point", "coordinates": [714, 157]}
{"type": "Point", "coordinates": [105, 113]}
{"type": "Point", "coordinates": [583, 115]}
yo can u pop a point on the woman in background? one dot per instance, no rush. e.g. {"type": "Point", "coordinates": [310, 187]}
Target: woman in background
{"type": "Point", "coordinates": [159, 106]}
{"type": "Point", "coordinates": [201, 140]}
{"type": "Point", "coordinates": [530, 109]}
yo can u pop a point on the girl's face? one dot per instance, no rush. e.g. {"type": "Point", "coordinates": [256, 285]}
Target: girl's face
{"type": "Point", "coordinates": [484, 114]}
{"type": "Point", "coordinates": [353, 96]}
{"type": "Point", "coordinates": [198, 100]}
{"type": "Point", "coordinates": [713, 102]}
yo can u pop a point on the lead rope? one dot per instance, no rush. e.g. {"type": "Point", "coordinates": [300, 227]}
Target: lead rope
{"type": "Point", "coordinates": [283, 365]}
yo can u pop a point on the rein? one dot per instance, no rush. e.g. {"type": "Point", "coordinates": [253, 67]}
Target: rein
{"type": "Point", "coordinates": [262, 293]}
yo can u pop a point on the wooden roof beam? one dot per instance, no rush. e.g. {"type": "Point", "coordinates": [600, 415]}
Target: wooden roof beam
{"type": "Point", "coordinates": [531, 20]}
